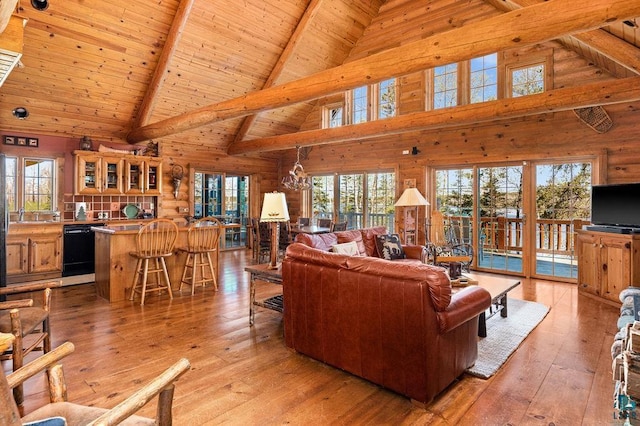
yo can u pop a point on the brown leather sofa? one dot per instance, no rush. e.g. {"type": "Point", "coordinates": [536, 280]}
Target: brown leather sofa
{"type": "Point", "coordinates": [396, 324]}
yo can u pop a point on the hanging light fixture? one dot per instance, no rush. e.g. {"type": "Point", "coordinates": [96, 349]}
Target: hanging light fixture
{"type": "Point", "coordinates": [297, 179]}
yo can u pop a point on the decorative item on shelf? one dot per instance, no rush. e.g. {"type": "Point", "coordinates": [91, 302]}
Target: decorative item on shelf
{"type": "Point", "coordinates": [177, 173]}
{"type": "Point", "coordinates": [152, 150]}
{"type": "Point", "coordinates": [297, 179]}
{"type": "Point", "coordinates": [86, 144]}
{"type": "Point", "coordinates": [274, 210]}
{"type": "Point", "coordinates": [411, 197]}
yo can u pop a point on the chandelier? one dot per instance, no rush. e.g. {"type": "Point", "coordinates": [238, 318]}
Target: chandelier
{"type": "Point", "coordinates": [297, 179]}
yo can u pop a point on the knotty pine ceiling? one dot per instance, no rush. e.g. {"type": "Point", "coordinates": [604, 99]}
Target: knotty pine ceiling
{"type": "Point", "coordinates": [88, 64]}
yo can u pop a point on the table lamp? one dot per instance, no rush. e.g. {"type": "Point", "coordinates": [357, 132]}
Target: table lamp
{"type": "Point", "coordinates": [411, 197]}
{"type": "Point", "coordinates": [274, 210]}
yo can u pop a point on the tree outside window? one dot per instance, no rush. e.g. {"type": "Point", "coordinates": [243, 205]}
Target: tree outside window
{"type": "Point", "coordinates": [359, 105]}
{"type": "Point", "coordinates": [527, 81]}
{"type": "Point", "coordinates": [38, 184]}
{"type": "Point", "coordinates": [11, 187]}
{"type": "Point", "coordinates": [445, 86]}
{"type": "Point", "coordinates": [387, 98]}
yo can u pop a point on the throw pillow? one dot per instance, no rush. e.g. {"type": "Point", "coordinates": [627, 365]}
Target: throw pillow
{"type": "Point", "coordinates": [389, 247]}
{"type": "Point", "coordinates": [350, 249]}
{"type": "Point", "coordinates": [356, 236]}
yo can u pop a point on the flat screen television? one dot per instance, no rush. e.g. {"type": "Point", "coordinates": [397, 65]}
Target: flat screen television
{"type": "Point", "coordinates": [616, 205]}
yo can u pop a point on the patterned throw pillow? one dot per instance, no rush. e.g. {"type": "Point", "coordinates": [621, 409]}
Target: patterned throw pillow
{"type": "Point", "coordinates": [389, 247]}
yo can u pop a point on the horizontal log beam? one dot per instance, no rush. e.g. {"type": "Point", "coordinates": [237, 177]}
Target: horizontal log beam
{"type": "Point", "coordinates": [623, 53]}
{"type": "Point", "coordinates": [601, 93]}
{"type": "Point", "coordinates": [527, 26]}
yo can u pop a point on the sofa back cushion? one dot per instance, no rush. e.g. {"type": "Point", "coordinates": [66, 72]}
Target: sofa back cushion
{"type": "Point", "coordinates": [322, 242]}
{"type": "Point", "coordinates": [369, 239]}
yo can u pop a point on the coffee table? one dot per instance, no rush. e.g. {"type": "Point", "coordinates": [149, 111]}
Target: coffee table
{"type": "Point", "coordinates": [262, 272]}
{"type": "Point", "coordinates": [498, 287]}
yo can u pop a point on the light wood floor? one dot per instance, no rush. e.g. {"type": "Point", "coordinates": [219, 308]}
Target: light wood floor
{"type": "Point", "coordinates": [244, 375]}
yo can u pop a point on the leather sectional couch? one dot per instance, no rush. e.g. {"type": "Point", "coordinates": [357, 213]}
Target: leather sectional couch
{"type": "Point", "coordinates": [394, 323]}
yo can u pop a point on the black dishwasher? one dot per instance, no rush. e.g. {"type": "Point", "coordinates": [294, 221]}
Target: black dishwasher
{"type": "Point", "coordinates": [78, 250]}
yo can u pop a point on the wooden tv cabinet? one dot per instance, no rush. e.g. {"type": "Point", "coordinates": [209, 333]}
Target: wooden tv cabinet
{"type": "Point", "coordinates": [607, 263]}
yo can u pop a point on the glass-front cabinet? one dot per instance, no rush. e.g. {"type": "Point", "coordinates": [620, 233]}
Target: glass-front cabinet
{"type": "Point", "coordinates": [98, 173]}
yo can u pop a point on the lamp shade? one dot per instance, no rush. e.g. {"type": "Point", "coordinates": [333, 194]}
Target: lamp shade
{"type": "Point", "coordinates": [274, 208]}
{"type": "Point", "coordinates": [411, 197]}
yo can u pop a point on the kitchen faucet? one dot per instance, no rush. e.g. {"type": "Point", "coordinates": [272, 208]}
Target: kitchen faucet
{"type": "Point", "coordinates": [21, 214]}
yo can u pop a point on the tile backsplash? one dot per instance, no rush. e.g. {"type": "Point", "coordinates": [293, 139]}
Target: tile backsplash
{"type": "Point", "coordinates": [106, 207]}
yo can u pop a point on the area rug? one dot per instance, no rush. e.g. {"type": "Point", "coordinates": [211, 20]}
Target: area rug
{"type": "Point", "coordinates": [504, 335]}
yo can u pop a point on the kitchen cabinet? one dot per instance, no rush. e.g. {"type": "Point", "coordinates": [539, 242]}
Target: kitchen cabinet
{"type": "Point", "coordinates": [34, 252]}
{"type": "Point", "coordinates": [117, 174]}
{"type": "Point", "coordinates": [607, 263]}
{"type": "Point", "coordinates": [98, 174]}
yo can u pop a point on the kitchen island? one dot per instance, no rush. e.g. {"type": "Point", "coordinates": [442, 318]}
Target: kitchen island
{"type": "Point", "coordinates": [115, 267]}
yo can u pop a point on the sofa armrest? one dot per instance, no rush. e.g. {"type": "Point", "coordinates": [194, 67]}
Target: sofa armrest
{"type": "Point", "coordinates": [465, 305]}
{"type": "Point", "coordinates": [414, 251]}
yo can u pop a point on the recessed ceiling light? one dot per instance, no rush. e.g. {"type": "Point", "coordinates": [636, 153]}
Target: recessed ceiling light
{"type": "Point", "coordinates": [20, 113]}
{"type": "Point", "coordinates": [40, 4]}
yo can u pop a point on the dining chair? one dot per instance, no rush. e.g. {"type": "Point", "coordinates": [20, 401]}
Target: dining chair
{"type": "Point", "coordinates": [155, 242]}
{"type": "Point", "coordinates": [203, 237]}
{"type": "Point", "coordinates": [61, 412]}
{"type": "Point", "coordinates": [338, 226]}
{"type": "Point", "coordinates": [304, 221]}
{"type": "Point", "coordinates": [264, 240]}
{"type": "Point", "coordinates": [324, 222]}
{"type": "Point", "coordinates": [28, 323]}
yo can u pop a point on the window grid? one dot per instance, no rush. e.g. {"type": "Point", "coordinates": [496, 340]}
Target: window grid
{"type": "Point", "coordinates": [38, 184]}
{"type": "Point", "coordinates": [527, 81]}
{"type": "Point", "coordinates": [445, 86]}
{"type": "Point", "coordinates": [360, 105]}
{"type": "Point", "coordinates": [484, 78]}
{"type": "Point", "coordinates": [11, 189]}
{"type": "Point", "coordinates": [387, 99]}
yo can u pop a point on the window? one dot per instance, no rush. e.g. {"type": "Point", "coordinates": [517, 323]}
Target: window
{"type": "Point", "coordinates": [322, 199]}
{"type": "Point", "coordinates": [332, 116]}
{"type": "Point", "coordinates": [359, 105]}
{"type": "Point", "coordinates": [387, 98]}
{"type": "Point", "coordinates": [483, 79]}
{"type": "Point", "coordinates": [11, 187]}
{"type": "Point", "coordinates": [527, 80]}
{"type": "Point", "coordinates": [445, 86]}
{"type": "Point", "coordinates": [30, 184]}
{"type": "Point", "coordinates": [361, 199]}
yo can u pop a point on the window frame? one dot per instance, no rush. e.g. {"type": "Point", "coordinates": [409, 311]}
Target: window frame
{"type": "Point", "coordinates": [546, 61]}
{"type": "Point", "coordinates": [327, 112]}
{"type": "Point", "coordinates": [20, 177]}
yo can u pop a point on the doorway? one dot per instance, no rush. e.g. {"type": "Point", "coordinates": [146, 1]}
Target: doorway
{"type": "Point", "coordinates": [493, 205]}
{"type": "Point", "coordinates": [225, 197]}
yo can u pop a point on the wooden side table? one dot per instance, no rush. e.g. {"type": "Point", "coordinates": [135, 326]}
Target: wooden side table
{"type": "Point", "coordinates": [262, 272]}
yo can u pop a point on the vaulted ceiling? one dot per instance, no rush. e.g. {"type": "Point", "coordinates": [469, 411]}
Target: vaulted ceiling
{"type": "Point", "coordinates": [104, 69]}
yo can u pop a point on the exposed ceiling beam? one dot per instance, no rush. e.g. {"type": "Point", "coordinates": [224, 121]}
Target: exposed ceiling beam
{"type": "Point", "coordinates": [287, 53]}
{"type": "Point", "coordinates": [625, 54]}
{"type": "Point", "coordinates": [173, 38]}
{"type": "Point", "coordinates": [534, 24]}
{"type": "Point", "coordinates": [601, 93]}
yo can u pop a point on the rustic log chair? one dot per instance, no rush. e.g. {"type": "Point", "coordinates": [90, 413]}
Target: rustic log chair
{"type": "Point", "coordinates": [203, 238]}
{"type": "Point", "coordinates": [75, 414]}
{"type": "Point", "coordinates": [155, 242]}
{"type": "Point", "coordinates": [443, 247]}
{"type": "Point", "coordinates": [29, 325]}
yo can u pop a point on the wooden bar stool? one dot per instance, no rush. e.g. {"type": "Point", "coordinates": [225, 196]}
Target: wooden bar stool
{"type": "Point", "coordinates": [202, 243]}
{"type": "Point", "coordinates": [155, 241]}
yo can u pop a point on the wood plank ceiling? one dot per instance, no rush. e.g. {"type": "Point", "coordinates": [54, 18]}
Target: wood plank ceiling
{"type": "Point", "coordinates": [98, 68]}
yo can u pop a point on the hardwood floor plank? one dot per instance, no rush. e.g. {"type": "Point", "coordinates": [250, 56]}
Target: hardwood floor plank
{"type": "Point", "coordinates": [561, 373]}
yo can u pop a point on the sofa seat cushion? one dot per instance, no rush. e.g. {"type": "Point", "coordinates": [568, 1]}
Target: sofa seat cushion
{"type": "Point", "coordinates": [389, 247]}
{"type": "Point", "coordinates": [352, 236]}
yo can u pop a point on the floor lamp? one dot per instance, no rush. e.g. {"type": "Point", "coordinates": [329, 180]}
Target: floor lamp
{"type": "Point", "coordinates": [411, 197]}
{"type": "Point", "coordinates": [274, 210]}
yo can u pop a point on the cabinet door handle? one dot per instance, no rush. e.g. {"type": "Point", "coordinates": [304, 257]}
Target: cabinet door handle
{"type": "Point", "coordinates": [627, 245]}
